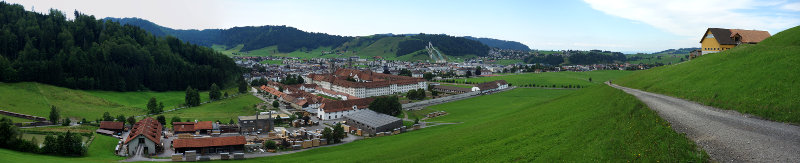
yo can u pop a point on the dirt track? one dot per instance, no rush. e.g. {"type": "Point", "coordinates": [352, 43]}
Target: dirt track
{"type": "Point", "coordinates": [726, 135]}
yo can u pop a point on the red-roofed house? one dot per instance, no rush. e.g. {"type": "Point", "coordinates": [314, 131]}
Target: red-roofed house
{"type": "Point", "coordinates": [117, 127]}
{"type": "Point", "coordinates": [147, 134]}
{"type": "Point", "coordinates": [337, 109]}
{"type": "Point", "coordinates": [202, 127]}
{"type": "Point", "coordinates": [210, 145]}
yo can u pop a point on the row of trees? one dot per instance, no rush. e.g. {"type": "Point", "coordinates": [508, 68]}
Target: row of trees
{"type": "Point", "coordinates": [387, 105]}
{"type": "Point", "coordinates": [66, 144]}
{"type": "Point", "coordinates": [86, 53]}
{"type": "Point", "coordinates": [292, 80]}
{"type": "Point", "coordinates": [577, 57]}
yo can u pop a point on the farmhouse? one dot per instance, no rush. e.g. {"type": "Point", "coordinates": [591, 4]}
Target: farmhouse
{"type": "Point", "coordinates": [720, 39]}
{"type": "Point", "coordinates": [145, 134]}
{"type": "Point", "coordinates": [210, 145]}
{"type": "Point", "coordinates": [362, 84]}
{"type": "Point", "coordinates": [371, 122]}
{"type": "Point", "coordinates": [338, 109]}
{"type": "Point", "coordinates": [115, 127]}
{"type": "Point", "coordinates": [491, 86]}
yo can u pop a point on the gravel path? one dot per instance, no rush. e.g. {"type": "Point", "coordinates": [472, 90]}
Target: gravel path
{"type": "Point", "coordinates": [727, 136]}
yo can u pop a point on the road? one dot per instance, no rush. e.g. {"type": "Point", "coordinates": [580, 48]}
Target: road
{"type": "Point", "coordinates": [727, 136]}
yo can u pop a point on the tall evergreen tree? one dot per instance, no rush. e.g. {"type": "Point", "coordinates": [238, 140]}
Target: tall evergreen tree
{"type": "Point", "coordinates": [214, 93]}
{"type": "Point", "coordinates": [152, 106]}
{"type": "Point", "coordinates": [54, 115]}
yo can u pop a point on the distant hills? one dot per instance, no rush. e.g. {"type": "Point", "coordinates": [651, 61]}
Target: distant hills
{"type": "Point", "coordinates": [677, 51]}
{"type": "Point", "coordinates": [289, 41]}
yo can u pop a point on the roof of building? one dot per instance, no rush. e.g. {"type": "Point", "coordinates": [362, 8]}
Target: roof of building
{"type": "Point", "coordinates": [209, 142]}
{"type": "Point", "coordinates": [204, 125]}
{"type": "Point", "coordinates": [371, 118]}
{"type": "Point", "coordinates": [149, 128]}
{"type": "Point", "coordinates": [725, 36]}
{"type": "Point", "coordinates": [750, 36]}
{"type": "Point", "coordinates": [183, 126]}
{"type": "Point", "coordinates": [111, 125]}
{"type": "Point", "coordinates": [253, 117]}
{"type": "Point", "coordinates": [492, 84]}
{"type": "Point", "coordinates": [337, 106]}
{"type": "Point", "coordinates": [452, 88]}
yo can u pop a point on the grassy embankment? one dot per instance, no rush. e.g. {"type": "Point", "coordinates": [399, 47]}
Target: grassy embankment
{"type": "Point", "coordinates": [760, 79]}
{"type": "Point", "coordinates": [36, 98]}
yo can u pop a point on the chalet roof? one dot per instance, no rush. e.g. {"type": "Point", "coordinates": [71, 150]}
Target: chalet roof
{"type": "Point", "coordinates": [750, 36]}
{"type": "Point", "coordinates": [183, 126]}
{"type": "Point", "coordinates": [725, 36]}
{"type": "Point", "coordinates": [371, 118]}
{"type": "Point", "coordinates": [149, 128]}
{"type": "Point", "coordinates": [111, 125]}
{"type": "Point", "coordinates": [209, 142]}
{"type": "Point", "coordinates": [337, 106]}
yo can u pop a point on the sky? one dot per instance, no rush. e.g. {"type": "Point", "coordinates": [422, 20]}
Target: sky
{"type": "Point", "coordinates": [628, 26]}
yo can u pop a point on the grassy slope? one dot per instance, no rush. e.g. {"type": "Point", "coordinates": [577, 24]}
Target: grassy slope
{"type": "Point", "coordinates": [223, 110]}
{"type": "Point", "coordinates": [758, 79]}
{"type": "Point", "coordinates": [384, 47]}
{"type": "Point", "coordinates": [595, 124]}
{"type": "Point", "coordinates": [36, 98]}
{"type": "Point", "coordinates": [557, 78]}
{"type": "Point", "coordinates": [101, 150]}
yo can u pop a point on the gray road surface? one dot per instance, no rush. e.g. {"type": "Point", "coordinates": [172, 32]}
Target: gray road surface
{"type": "Point", "coordinates": [727, 136]}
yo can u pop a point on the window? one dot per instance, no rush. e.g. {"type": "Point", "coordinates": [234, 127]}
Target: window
{"type": "Point", "coordinates": [710, 35]}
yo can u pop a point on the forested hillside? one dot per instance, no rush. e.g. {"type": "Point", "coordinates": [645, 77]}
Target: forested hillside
{"type": "Point", "coordinates": [577, 57]}
{"type": "Point", "coordinates": [290, 39]}
{"type": "Point", "coordinates": [88, 53]}
{"type": "Point", "coordinates": [501, 44]}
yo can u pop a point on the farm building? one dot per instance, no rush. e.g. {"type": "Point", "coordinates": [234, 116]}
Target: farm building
{"type": "Point", "coordinates": [115, 127]}
{"type": "Point", "coordinates": [491, 86]}
{"type": "Point", "coordinates": [371, 122]}
{"type": "Point", "coordinates": [145, 134]}
{"type": "Point", "coordinates": [210, 145]}
{"type": "Point", "coordinates": [720, 39]}
{"type": "Point", "coordinates": [202, 127]}
{"type": "Point", "coordinates": [451, 89]}
{"type": "Point", "coordinates": [255, 123]}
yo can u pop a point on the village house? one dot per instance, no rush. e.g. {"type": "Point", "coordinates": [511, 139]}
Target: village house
{"type": "Point", "coordinates": [114, 127]}
{"type": "Point", "coordinates": [719, 39]}
{"type": "Point", "coordinates": [196, 128]}
{"type": "Point", "coordinates": [145, 134]}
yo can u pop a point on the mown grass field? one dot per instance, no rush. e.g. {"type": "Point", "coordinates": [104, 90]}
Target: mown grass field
{"type": "Point", "coordinates": [36, 98]}
{"type": "Point", "coordinates": [526, 125]}
{"type": "Point", "coordinates": [550, 78]}
{"type": "Point", "coordinates": [760, 79]}
{"type": "Point", "coordinates": [222, 110]}
{"type": "Point", "coordinates": [101, 150]}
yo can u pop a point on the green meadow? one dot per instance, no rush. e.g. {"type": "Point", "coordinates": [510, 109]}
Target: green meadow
{"type": "Point", "coordinates": [549, 79]}
{"type": "Point", "coordinates": [526, 125]}
{"type": "Point", "coordinates": [35, 99]}
{"type": "Point", "coordinates": [222, 110]}
{"type": "Point", "coordinates": [100, 150]}
{"type": "Point", "coordinates": [756, 79]}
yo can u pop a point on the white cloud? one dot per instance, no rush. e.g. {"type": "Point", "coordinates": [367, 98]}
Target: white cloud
{"type": "Point", "coordinates": [690, 17]}
{"type": "Point", "coordinates": [791, 6]}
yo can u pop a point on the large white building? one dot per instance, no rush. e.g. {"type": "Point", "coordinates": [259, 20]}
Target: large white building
{"type": "Point", "coordinates": [338, 109]}
{"type": "Point", "coordinates": [365, 83]}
